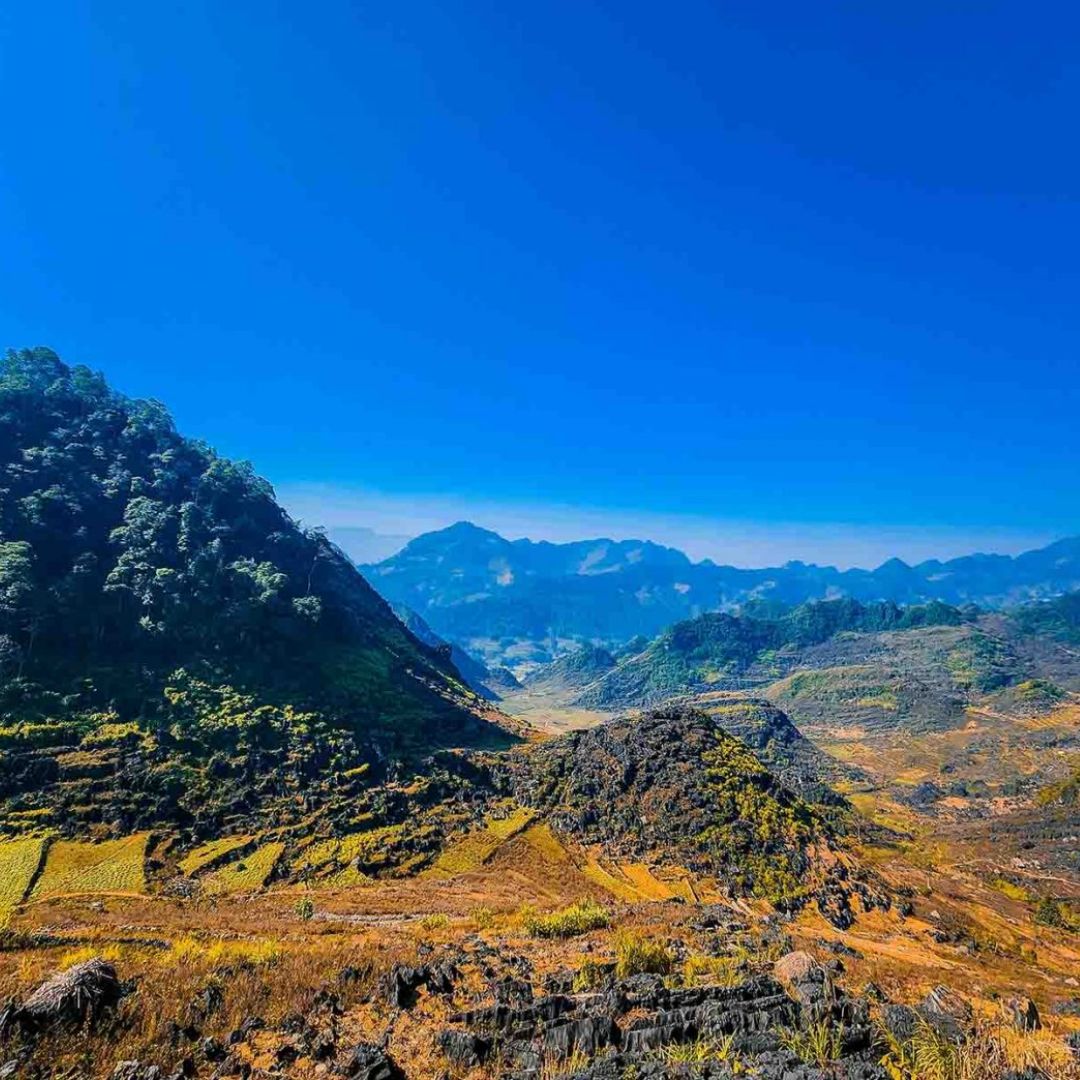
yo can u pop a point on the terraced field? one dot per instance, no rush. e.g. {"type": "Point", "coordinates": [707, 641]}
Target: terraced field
{"type": "Point", "coordinates": [74, 867]}
{"type": "Point", "coordinates": [246, 874]}
{"type": "Point", "coordinates": [19, 862]}
{"type": "Point", "coordinates": [212, 852]}
{"type": "Point", "coordinates": [472, 851]}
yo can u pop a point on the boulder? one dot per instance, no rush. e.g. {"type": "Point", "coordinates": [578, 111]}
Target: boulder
{"type": "Point", "coordinates": [947, 1011]}
{"type": "Point", "coordinates": [370, 1062]}
{"type": "Point", "coordinates": [1022, 1013]}
{"type": "Point", "coordinates": [73, 998]}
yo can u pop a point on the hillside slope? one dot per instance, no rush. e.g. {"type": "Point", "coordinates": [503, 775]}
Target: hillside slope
{"type": "Point", "coordinates": [172, 645]}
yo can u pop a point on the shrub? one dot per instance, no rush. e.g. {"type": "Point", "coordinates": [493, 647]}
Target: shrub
{"type": "Point", "coordinates": [576, 919]}
{"type": "Point", "coordinates": [437, 920]}
{"type": "Point", "coordinates": [592, 975]}
{"type": "Point", "coordinates": [483, 918]}
{"type": "Point", "coordinates": [305, 909]}
{"type": "Point", "coordinates": [636, 955]}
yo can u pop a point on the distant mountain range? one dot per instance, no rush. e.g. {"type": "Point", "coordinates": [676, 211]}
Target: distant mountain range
{"type": "Point", "coordinates": [523, 602]}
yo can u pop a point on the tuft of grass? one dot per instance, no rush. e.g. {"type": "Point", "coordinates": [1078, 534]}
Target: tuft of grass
{"type": "Point", "coordinates": [702, 1050]}
{"type": "Point", "coordinates": [73, 867]}
{"type": "Point", "coordinates": [89, 952]}
{"type": "Point", "coordinates": [258, 953]}
{"type": "Point", "coordinates": [20, 860]}
{"type": "Point", "coordinates": [636, 955]}
{"type": "Point", "coordinates": [715, 970]}
{"type": "Point", "coordinates": [576, 919]}
{"type": "Point", "coordinates": [590, 976]}
{"type": "Point", "coordinates": [437, 920]}
{"type": "Point", "coordinates": [818, 1044]}
{"type": "Point", "coordinates": [483, 918]}
{"type": "Point", "coordinates": [989, 1053]}
{"type": "Point", "coordinates": [244, 875]}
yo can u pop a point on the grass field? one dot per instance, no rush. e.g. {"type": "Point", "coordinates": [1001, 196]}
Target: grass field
{"type": "Point", "coordinates": [208, 854]}
{"type": "Point", "coordinates": [113, 866]}
{"type": "Point", "coordinates": [473, 850]}
{"type": "Point", "coordinates": [244, 875]}
{"type": "Point", "coordinates": [19, 862]}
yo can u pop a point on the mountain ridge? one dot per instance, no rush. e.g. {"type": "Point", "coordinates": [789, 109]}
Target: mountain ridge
{"type": "Point", "coordinates": [519, 601]}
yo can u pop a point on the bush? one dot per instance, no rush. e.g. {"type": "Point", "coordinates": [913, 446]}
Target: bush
{"type": "Point", "coordinates": [576, 919]}
{"type": "Point", "coordinates": [305, 909]}
{"type": "Point", "coordinates": [636, 955]}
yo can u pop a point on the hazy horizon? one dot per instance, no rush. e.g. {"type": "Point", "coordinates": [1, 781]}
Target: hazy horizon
{"type": "Point", "coordinates": [736, 543]}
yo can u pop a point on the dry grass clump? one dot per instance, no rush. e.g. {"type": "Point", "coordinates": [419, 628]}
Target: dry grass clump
{"type": "Point", "coordinates": [19, 862]}
{"type": "Point", "coordinates": [637, 955]}
{"type": "Point", "coordinates": [702, 1050]}
{"type": "Point", "coordinates": [988, 1054]}
{"type": "Point", "coordinates": [265, 977]}
{"type": "Point", "coordinates": [713, 970]}
{"type": "Point", "coordinates": [820, 1043]}
{"type": "Point", "coordinates": [244, 875]}
{"type": "Point", "coordinates": [576, 919]}
{"type": "Point", "coordinates": [73, 867]}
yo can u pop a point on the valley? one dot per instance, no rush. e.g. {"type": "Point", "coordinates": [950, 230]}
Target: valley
{"type": "Point", "coordinates": [258, 820]}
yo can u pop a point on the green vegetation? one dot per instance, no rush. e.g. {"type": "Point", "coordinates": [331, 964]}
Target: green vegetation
{"type": "Point", "coordinates": [637, 955]}
{"type": "Point", "coordinates": [1066, 792]}
{"type": "Point", "coordinates": [155, 597]}
{"type": "Point", "coordinates": [576, 919]}
{"type": "Point", "coordinates": [718, 645]}
{"type": "Point", "coordinates": [820, 1043]}
{"type": "Point", "coordinates": [1058, 618]}
{"type": "Point", "coordinates": [1057, 914]}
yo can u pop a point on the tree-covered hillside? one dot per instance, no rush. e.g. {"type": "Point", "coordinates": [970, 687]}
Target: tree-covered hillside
{"type": "Point", "coordinates": [718, 646]}
{"type": "Point", "coordinates": [158, 608]}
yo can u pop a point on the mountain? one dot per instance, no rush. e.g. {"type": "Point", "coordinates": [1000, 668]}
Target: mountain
{"type": "Point", "coordinates": [574, 671]}
{"type": "Point", "coordinates": [866, 664]}
{"type": "Point", "coordinates": [522, 602]}
{"type": "Point", "coordinates": [173, 647]}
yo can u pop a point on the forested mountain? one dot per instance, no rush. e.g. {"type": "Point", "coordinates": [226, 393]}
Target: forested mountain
{"type": "Point", "coordinates": [513, 600]}
{"type": "Point", "coordinates": [167, 629]}
{"type": "Point", "coordinates": [862, 664]}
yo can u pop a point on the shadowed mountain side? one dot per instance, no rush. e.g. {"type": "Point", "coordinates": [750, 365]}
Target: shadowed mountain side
{"type": "Point", "coordinates": [172, 645]}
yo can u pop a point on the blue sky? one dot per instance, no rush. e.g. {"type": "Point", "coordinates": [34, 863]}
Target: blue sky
{"type": "Point", "coordinates": [768, 280]}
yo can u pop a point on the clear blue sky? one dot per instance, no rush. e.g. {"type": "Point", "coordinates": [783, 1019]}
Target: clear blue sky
{"type": "Point", "coordinates": [695, 266]}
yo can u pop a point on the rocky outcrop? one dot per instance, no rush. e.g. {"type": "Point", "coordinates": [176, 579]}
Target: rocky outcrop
{"type": "Point", "coordinates": [627, 1026]}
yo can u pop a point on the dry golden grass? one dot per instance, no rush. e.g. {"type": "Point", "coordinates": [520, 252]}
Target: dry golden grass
{"type": "Point", "coordinates": [473, 850]}
{"type": "Point", "coordinates": [244, 875]}
{"type": "Point", "coordinates": [74, 867]}
{"type": "Point", "coordinates": [212, 852]}
{"type": "Point", "coordinates": [619, 887]}
{"type": "Point", "coordinates": [19, 862]}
